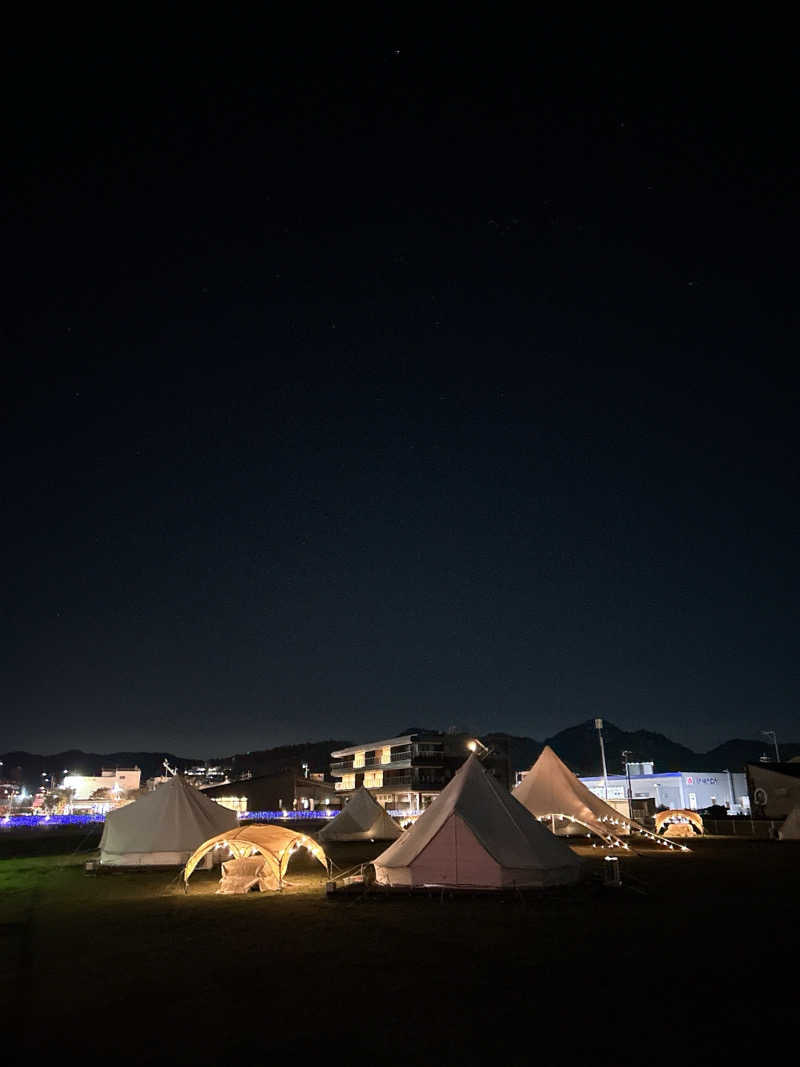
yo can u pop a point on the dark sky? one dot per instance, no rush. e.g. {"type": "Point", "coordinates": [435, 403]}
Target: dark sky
{"type": "Point", "coordinates": [405, 381]}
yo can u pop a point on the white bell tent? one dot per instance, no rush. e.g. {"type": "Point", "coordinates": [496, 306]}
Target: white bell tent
{"type": "Point", "coordinates": [162, 828]}
{"type": "Point", "coordinates": [552, 793]}
{"type": "Point", "coordinates": [361, 819]}
{"type": "Point", "coordinates": [476, 836]}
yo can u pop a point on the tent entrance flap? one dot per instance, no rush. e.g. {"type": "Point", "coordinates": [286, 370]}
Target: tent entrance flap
{"type": "Point", "coordinates": [275, 844]}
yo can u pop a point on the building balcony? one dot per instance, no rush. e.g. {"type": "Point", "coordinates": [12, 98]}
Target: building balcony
{"type": "Point", "coordinates": [418, 754]}
{"type": "Point", "coordinates": [399, 783]}
{"type": "Point", "coordinates": [411, 782]}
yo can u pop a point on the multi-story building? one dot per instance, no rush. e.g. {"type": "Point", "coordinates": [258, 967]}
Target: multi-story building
{"type": "Point", "coordinates": [205, 774]}
{"type": "Point", "coordinates": [99, 792]}
{"type": "Point", "coordinates": [402, 772]}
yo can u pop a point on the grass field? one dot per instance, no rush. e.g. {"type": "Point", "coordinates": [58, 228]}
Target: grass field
{"type": "Point", "coordinates": [683, 962]}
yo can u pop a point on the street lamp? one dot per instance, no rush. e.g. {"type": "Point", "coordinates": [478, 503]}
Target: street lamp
{"type": "Point", "coordinates": [626, 755]}
{"type": "Point", "coordinates": [598, 725]}
{"type": "Point", "coordinates": [771, 733]}
{"type": "Point", "coordinates": [475, 744]}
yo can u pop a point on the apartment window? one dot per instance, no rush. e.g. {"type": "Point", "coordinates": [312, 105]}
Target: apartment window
{"type": "Point", "coordinates": [359, 759]}
{"type": "Point", "coordinates": [373, 779]}
{"type": "Point", "coordinates": [386, 754]}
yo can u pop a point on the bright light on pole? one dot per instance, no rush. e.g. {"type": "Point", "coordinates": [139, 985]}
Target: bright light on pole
{"type": "Point", "coordinates": [474, 744]}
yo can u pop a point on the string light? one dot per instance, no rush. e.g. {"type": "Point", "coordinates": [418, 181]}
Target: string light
{"type": "Point", "coordinates": [31, 821]}
{"type": "Point", "coordinates": [610, 839]}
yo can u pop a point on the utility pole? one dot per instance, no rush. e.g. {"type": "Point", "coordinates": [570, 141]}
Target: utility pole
{"type": "Point", "coordinates": [771, 733]}
{"type": "Point", "coordinates": [598, 724]}
{"type": "Point", "coordinates": [626, 755]}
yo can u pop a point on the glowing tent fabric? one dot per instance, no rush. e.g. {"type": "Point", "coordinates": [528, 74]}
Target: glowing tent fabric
{"type": "Point", "coordinates": [550, 789]}
{"type": "Point", "coordinates": [240, 876]}
{"type": "Point", "coordinates": [678, 817]}
{"type": "Point", "coordinates": [162, 828]}
{"type": "Point", "coordinates": [475, 835]}
{"type": "Point", "coordinates": [275, 843]}
{"type": "Point", "coordinates": [790, 830]}
{"type": "Point", "coordinates": [362, 819]}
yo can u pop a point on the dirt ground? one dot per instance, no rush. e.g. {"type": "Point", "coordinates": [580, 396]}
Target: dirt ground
{"type": "Point", "coordinates": [684, 961]}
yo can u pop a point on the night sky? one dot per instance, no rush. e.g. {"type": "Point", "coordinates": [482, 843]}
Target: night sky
{"type": "Point", "coordinates": [404, 382]}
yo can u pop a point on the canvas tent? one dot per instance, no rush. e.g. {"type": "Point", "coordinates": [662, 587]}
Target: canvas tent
{"type": "Point", "coordinates": [551, 792]}
{"type": "Point", "coordinates": [362, 819]}
{"type": "Point", "coordinates": [475, 835]}
{"type": "Point", "coordinates": [275, 844]}
{"type": "Point", "coordinates": [162, 828]}
{"type": "Point", "coordinates": [790, 829]}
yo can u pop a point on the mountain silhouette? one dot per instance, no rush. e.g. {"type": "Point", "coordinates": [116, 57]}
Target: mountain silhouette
{"type": "Point", "coordinates": [577, 746]}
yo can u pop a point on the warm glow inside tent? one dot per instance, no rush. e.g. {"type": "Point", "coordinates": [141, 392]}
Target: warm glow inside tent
{"type": "Point", "coordinates": [551, 792]}
{"type": "Point", "coordinates": [663, 819]}
{"type": "Point", "coordinates": [162, 828]}
{"type": "Point", "coordinates": [275, 843]}
{"type": "Point", "coordinates": [361, 819]}
{"type": "Point", "coordinates": [475, 835]}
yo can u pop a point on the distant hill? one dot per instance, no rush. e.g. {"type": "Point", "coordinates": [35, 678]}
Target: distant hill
{"type": "Point", "coordinates": [576, 745]}
{"type": "Point", "coordinates": [317, 754]}
{"type": "Point", "coordinates": [579, 747]}
{"type": "Point", "coordinates": [28, 768]}
{"type": "Point", "coordinates": [736, 753]}
{"type": "Point", "coordinates": [522, 751]}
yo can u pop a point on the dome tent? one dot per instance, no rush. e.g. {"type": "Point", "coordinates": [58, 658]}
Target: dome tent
{"type": "Point", "coordinates": [475, 835]}
{"type": "Point", "coordinates": [361, 819]}
{"type": "Point", "coordinates": [162, 828]}
{"type": "Point", "coordinates": [678, 817]}
{"type": "Point", "coordinates": [274, 845]}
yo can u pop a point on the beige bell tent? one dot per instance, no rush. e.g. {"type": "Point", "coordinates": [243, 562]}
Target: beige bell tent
{"type": "Point", "coordinates": [476, 836]}
{"type": "Point", "coordinates": [362, 819]}
{"type": "Point", "coordinates": [275, 844]}
{"type": "Point", "coordinates": [790, 829]}
{"type": "Point", "coordinates": [551, 792]}
{"type": "Point", "coordinates": [162, 828]}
